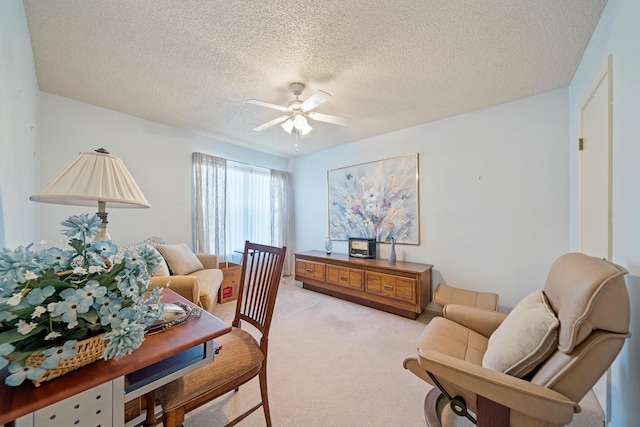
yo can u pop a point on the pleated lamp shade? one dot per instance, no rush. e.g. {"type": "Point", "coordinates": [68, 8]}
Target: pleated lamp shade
{"type": "Point", "coordinates": [94, 177]}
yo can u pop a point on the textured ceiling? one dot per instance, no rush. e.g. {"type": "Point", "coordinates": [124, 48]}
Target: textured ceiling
{"type": "Point", "coordinates": [389, 65]}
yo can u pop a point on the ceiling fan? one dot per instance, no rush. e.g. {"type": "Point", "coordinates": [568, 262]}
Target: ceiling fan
{"type": "Point", "coordinates": [298, 112]}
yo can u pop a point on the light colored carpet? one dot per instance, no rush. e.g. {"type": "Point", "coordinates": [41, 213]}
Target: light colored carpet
{"type": "Point", "coordinates": [332, 363]}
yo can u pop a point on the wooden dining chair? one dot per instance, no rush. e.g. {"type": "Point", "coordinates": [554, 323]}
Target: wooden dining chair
{"type": "Point", "coordinates": [241, 356]}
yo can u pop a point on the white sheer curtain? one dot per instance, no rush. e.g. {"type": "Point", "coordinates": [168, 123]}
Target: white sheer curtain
{"type": "Point", "coordinates": [281, 215]}
{"type": "Point", "coordinates": [210, 185]}
{"type": "Point", "coordinates": [235, 202]}
{"type": "Point", "coordinates": [248, 216]}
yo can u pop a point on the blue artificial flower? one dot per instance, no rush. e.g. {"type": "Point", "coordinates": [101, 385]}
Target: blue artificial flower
{"type": "Point", "coordinates": [5, 350]}
{"type": "Point", "coordinates": [71, 306]}
{"type": "Point", "coordinates": [15, 264]}
{"type": "Point", "coordinates": [19, 373]}
{"type": "Point", "coordinates": [113, 314]}
{"type": "Point", "coordinates": [6, 316]}
{"type": "Point", "coordinates": [103, 248]}
{"type": "Point", "coordinates": [124, 340]}
{"type": "Point", "coordinates": [57, 258]}
{"type": "Point", "coordinates": [94, 259]}
{"type": "Point", "coordinates": [128, 283]}
{"type": "Point", "coordinates": [83, 224]}
{"type": "Point", "coordinates": [135, 264]}
{"type": "Point", "coordinates": [38, 295]}
{"type": "Point", "coordinates": [56, 354]}
{"type": "Point", "coordinates": [107, 300]}
{"type": "Point", "coordinates": [90, 291]}
{"type": "Point", "coordinates": [149, 313]}
{"type": "Point", "coordinates": [151, 258]}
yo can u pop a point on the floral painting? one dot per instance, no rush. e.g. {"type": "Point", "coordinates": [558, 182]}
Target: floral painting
{"type": "Point", "coordinates": [377, 199]}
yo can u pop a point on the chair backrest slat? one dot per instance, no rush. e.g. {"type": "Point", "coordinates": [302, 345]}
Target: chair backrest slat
{"type": "Point", "coordinates": [260, 277]}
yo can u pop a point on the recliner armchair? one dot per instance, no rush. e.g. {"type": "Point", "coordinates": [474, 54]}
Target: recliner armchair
{"type": "Point", "coordinates": [532, 366]}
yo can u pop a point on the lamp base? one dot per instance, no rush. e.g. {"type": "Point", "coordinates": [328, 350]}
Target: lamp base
{"type": "Point", "coordinates": [102, 234]}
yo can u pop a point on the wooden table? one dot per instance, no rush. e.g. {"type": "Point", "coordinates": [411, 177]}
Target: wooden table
{"type": "Point", "coordinates": [16, 402]}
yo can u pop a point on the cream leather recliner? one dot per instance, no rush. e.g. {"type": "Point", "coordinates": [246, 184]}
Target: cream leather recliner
{"type": "Point", "coordinates": [532, 366]}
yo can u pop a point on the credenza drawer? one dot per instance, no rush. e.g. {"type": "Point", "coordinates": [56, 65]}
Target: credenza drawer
{"type": "Point", "coordinates": [310, 269]}
{"type": "Point", "coordinates": [396, 287]}
{"type": "Point", "coordinates": [343, 276]}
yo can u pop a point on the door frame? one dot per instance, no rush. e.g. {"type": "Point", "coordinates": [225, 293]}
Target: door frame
{"type": "Point", "coordinates": [604, 76]}
{"type": "Point", "coordinates": [604, 73]}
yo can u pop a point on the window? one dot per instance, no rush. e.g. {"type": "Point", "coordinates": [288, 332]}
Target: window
{"type": "Point", "coordinates": [235, 202]}
{"type": "Point", "coordinates": [248, 206]}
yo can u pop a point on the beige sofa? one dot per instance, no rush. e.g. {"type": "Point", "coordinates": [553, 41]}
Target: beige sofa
{"type": "Point", "coordinates": [193, 276]}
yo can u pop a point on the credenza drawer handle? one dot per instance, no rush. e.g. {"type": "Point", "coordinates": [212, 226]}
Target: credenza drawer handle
{"type": "Point", "coordinates": [344, 278]}
{"type": "Point", "coordinates": [388, 287]}
{"type": "Point", "coordinates": [309, 270]}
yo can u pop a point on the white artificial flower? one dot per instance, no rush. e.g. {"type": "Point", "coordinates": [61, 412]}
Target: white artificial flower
{"type": "Point", "coordinates": [15, 299]}
{"type": "Point", "coordinates": [93, 269]}
{"type": "Point", "coordinates": [30, 275]}
{"type": "Point", "coordinates": [38, 311]}
{"type": "Point", "coordinates": [51, 307]}
{"type": "Point", "coordinates": [80, 271]}
{"type": "Point", "coordinates": [72, 325]}
{"type": "Point", "coordinates": [24, 328]}
{"type": "Point", "coordinates": [52, 335]}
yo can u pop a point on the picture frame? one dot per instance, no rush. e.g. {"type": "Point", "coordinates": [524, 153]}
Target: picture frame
{"type": "Point", "coordinates": [377, 199]}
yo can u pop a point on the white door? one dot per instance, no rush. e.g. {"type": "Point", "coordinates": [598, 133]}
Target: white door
{"type": "Point", "coordinates": [595, 172]}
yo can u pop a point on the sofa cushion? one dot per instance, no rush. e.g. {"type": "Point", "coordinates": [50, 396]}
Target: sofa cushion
{"type": "Point", "coordinates": [163, 269]}
{"type": "Point", "coordinates": [210, 281]}
{"type": "Point", "coordinates": [526, 337]}
{"type": "Point", "coordinates": [450, 338]}
{"type": "Point", "coordinates": [181, 259]}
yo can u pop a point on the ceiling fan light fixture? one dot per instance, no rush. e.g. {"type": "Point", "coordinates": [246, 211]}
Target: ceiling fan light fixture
{"type": "Point", "coordinates": [287, 126]}
{"type": "Point", "coordinates": [295, 121]}
{"type": "Point", "coordinates": [304, 129]}
{"type": "Point", "coordinates": [300, 122]}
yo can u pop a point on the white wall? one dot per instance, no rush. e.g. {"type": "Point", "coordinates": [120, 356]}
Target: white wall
{"type": "Point", "coordinates": [18, 116]}
{"type": "Point", "coordinates": [493, 194]}
{"type": "Point", "coordinates": [618, 34]}
{"type": "Point", "coordinates": [158, 157]}
{"type": "Point", "coordinates": [495, 204]}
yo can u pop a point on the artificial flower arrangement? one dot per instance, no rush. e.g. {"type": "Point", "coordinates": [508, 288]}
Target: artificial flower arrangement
{"type": "Point", "coordinates": [50, 298]}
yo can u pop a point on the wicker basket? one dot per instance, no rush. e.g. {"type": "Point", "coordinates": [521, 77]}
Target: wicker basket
{"type": "Point", "coordinates": [89, 351]}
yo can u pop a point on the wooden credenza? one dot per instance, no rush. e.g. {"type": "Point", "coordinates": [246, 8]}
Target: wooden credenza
{"type": "Point", "coordinates": [402, 288]}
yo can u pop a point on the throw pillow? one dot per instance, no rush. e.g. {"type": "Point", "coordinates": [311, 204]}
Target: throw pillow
{"type": "Point", "coordinates": [526, 337]}
{"type": "Point", "coordinates": [180, 258]}
{"type": "Point", "coordinates": [163, 269]}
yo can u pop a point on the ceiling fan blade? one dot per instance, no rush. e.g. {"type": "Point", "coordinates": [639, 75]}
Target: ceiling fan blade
{"type": "Point", "coordinates": [266, 104]}
{"type": "Point", "coordinates": [335, 120]}
{"type": "Point", "coordinates": [271, 123]}
{"type": "Point", "coordinates": [314, 100]}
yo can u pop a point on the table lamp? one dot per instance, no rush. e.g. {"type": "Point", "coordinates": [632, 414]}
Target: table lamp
{"type": "Point", "coordinates": [94, 177]}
